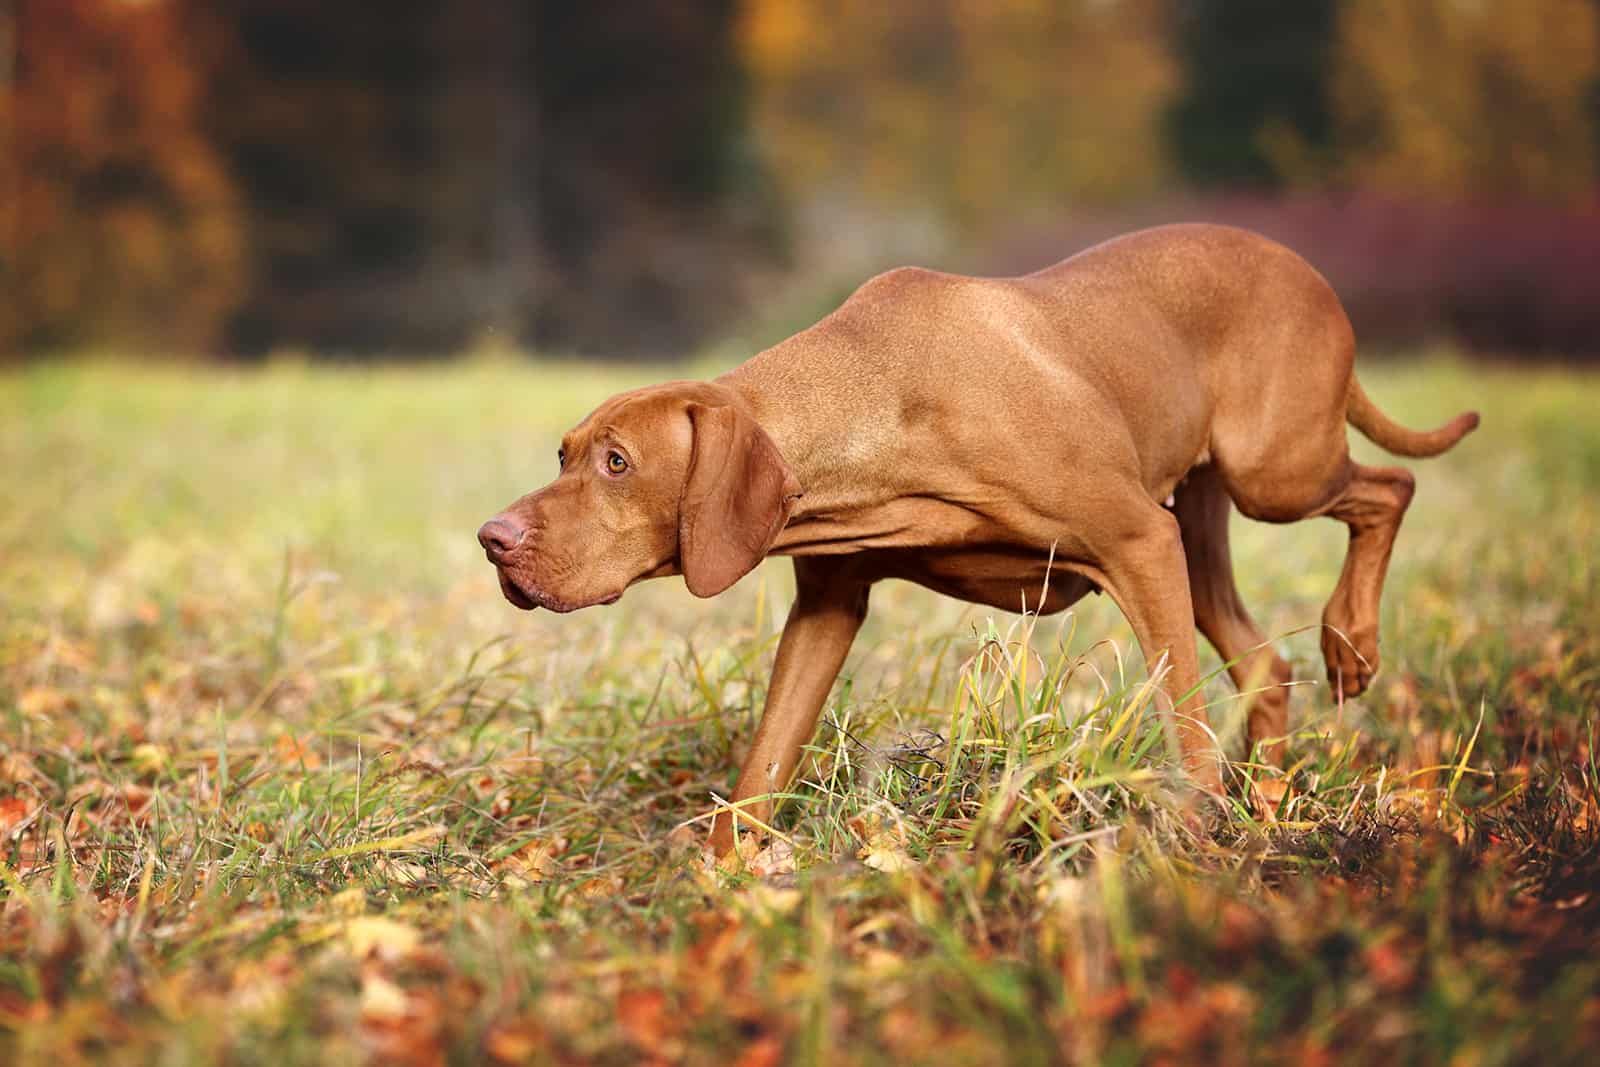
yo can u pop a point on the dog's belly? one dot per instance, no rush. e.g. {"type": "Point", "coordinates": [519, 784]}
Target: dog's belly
{"type": "Point", "coordinates": [1010, 580]}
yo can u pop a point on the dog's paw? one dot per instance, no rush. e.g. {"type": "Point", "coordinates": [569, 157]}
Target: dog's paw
{"type": "Point", "coordinates": [1351, 656]}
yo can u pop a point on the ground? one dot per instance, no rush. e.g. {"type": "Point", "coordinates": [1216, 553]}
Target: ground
{"type": "Point", "coordinates": [283, 778]}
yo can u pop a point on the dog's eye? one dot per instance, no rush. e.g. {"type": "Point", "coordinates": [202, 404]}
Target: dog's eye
{"type": "Point", "coordinates": [615, 463]}
{"type": "Point", "coordinates": [561, 458]}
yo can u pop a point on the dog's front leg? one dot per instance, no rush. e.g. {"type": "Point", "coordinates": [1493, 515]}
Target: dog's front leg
{"type": "Point", "coordinates": [829, 605]}
{"type": "Point", "coordinates": [1145, 571]}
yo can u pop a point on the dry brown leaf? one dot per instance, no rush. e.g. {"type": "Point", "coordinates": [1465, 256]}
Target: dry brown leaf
{"type": "Point", "coordinates": [12, 811]}
{"type": "Point", "coordinates": [1267, 795]}
{"type": "Point", "coordinates": [883, 845]}
{"type": "Point", "coordinates": [38, 701]}
{"type": "Point", "coordinates": [762, 1052]}
{"type": "Point", "coordinates": [643, 1016]}
{"type": "Point", "coordinates": [297, 751]}
{"type": "Point", "coordinates": [533, 862]}
{"type": "Point", "coordinates": [888, 858]}
{"type": "Point", "coordinates": [685, 836]}
{"type": "Point", "coordinates": [594, 888]}
{"type": "Point", "coordinates": [514, 1042]}
{"type": "Point", "coordinates": [774, 860]}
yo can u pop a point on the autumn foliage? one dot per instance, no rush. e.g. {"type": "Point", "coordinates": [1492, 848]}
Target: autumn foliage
{"type": "Point", "coordinates": [238, 176]}
{"type": "Point", "coordinates": [1475, 100]}
{"type": "Point", "coordinates": [121, 220]}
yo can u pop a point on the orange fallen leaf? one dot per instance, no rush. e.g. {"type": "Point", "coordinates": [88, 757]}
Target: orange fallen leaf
{"type": "Point", "coordinates": [643, 1016]}
{"type": "Point", "coordinates": [762, 1052]}
{"type": "Point", "coordinates": [298, 751]}
{"type": "Point", "coordinates": [12, 811]}
{"type": "Point", "coordinates": [514, 1042]}
{"type": "Point", "coordinates": [1391, 967]}
{"type": "Point", "coordinates": [1267, 795]}
{"type": "Point", "coordinates": [599, 887]}
{"type": "Point", "coordinates": [41, 700]}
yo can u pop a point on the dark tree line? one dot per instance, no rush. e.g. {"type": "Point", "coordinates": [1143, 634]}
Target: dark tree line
{"type": "Point", "coordinates": [1250, 65]}
{"type": "Point", "coordinates": [396, 177]}
{"type": "Point", "coordinates": [422, 173]}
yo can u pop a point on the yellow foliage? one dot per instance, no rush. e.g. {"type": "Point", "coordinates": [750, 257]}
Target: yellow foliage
{"type": "Point", "coordinates": [1464, 97]}
{"type": "Point", "coordinates": [967, 107]}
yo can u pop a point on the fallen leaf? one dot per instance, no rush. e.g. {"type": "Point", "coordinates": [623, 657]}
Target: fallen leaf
{"type": "Point", "coordinates": [149, 760]}
{"type": "Point", "coordinates": [768, 903]}
{"type": "Point", "coordinates": [685, 836]}
{"type": "Point", "coordinates": [886, 858]}
{"type": "Point", "coordinates": [643, 1016]}
{"type": "Point", "coordinates": [514, 1042]}
{"type": "Point", "coordinates": [883, 847]}
{"type": "Point", "coordinates": [1390, 964]}
{"type": "Point", "coordinates": [374, 934]}
{"type": "Point", "coordinates": [39, 701]}
{"type": "Point", "coordinates": [762, 1052]}
{"type": "Point", "coordinates": [297, 751]}
{"type": "Point", "coordinates": [593, 888]}
{"type": "Point", "coordinates": [1266, 796]}
{"type": "Point", "coordinates": [381, 998]}
{"type": "Point", "coordinates": [12, 811]}
{"type": "Point", "coordinates": [776, 859]}
{"type": "Point", "coordinates": [533, 862]}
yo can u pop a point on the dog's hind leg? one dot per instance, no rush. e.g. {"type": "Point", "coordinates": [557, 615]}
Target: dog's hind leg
{"type": "Point", "coordinates": [1372, 503]}
{"type": "Point", "coordinates": [1282, 453]}
{"type": "Point", "coordinates": [1259, 673]}
{"type": "Point", "coordinates": [1369, 500]}
{"type": "Point", "coordinates": [1143, 567]}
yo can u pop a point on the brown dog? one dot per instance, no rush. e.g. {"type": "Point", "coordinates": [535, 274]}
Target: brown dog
{"type": "Point", "coordinates": [962, 433]}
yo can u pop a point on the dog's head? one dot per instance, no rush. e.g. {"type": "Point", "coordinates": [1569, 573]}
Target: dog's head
{"type": "Point", "coordinates": [675, 478]}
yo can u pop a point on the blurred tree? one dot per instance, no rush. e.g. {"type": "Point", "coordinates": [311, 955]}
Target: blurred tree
{"type": "Point", "coordinates": [321, 112]}
{"type": "Point", "coordinates": [121, 224]}
{"type": "Point", "coordinates": [421, 174]}
{"type": "Point", "coordinates": [978, 111]}
{"type": "Point", "coordinates": [1255, 76]}
{"type": "Point", "coordinates": [1468, 97]}
{"type": "Point", "coordinates": [653, 213]}
{"type": "Point", "coordinates": [482, 202]}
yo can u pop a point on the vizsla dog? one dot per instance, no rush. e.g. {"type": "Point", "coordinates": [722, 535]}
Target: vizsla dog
{"type": "Point", "coordinates": [1095, 419]}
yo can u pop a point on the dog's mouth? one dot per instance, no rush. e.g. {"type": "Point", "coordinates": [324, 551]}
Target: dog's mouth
{"type": "Point", "coordinates": [527, 599]}
{"type": "Point", "coordinates": [513, 592]}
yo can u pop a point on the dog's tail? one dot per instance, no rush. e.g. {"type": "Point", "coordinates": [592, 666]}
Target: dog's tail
{"type": "Point", "coordinates": [1389, 435]}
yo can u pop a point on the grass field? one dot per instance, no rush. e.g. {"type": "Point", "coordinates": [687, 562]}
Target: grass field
{"type": "Point", "coordinates": [283, 778]}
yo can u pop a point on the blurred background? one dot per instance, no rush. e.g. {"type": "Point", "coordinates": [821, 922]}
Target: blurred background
{"type": "Point", "coordinates": [229, 179]}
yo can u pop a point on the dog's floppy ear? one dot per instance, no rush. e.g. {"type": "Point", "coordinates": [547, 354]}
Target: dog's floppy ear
{"type": "Point", "coordinates": [736, 498]}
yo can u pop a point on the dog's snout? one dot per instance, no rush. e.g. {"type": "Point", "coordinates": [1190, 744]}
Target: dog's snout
{"type": "Point", "coordinates": [500, 535]}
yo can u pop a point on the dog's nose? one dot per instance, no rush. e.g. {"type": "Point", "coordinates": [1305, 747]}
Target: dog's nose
{"type": "Point", "coordinates": [500, 535]}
